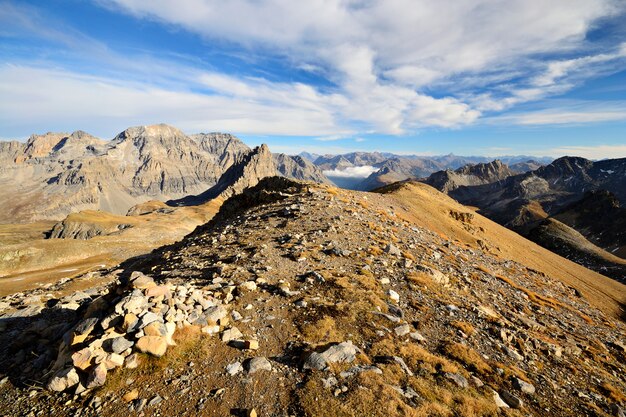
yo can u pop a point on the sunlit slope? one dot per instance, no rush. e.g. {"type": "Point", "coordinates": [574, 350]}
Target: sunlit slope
{"type": "Point", "coordinates": [428, 208]}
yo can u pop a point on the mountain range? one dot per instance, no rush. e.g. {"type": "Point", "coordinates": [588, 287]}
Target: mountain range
{"type": "Point", "coordinates": [572, 206]}
{"type": "Point", "coordinates": [257, 294]}
{"type": "Point", "coordinates": [54, 174]}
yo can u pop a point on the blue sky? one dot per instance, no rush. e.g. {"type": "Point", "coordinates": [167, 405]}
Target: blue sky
{"type": "Point", "coordinates": [495, 77]}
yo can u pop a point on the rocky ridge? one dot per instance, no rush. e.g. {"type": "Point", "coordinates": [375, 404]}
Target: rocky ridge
{"type": "Point", "coordinates": [469, 175]}
{"type": "Point", "coordinates": [300, 299]}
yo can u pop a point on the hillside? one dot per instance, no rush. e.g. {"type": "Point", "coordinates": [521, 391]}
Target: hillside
{"type": "Point", "coordinates": [571, 206]}
{"type": "Point", "coordinates": [302, 299]}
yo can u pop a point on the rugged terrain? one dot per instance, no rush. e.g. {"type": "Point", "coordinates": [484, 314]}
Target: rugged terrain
{"type": "Point", "coordinates": [390, 168]}
{"type": "Point", "coordinates": [302, 299]}
{"type": "Point", "coordinates": [571, 206]}
{"type": "Point", "coordinates": [468, 176]}
{"type": "Point", "coordinates": [94, 239]}
{"type": "Point", "coordinates": [52, 175]}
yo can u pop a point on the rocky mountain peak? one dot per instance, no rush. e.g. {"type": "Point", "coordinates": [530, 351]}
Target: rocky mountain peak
{"type": "Point", "coordinates": [38, 146]}
{"type": "Point", "coordinates": [150, 133]}
{"type": "Point", "coordinates": [490, 171]}
{"type": "Point", "coordinates": [566, 166]}
{"type": "Point", "coordinates": [470, 175]}
{"type": "Point", "coordinates": [246, 172]}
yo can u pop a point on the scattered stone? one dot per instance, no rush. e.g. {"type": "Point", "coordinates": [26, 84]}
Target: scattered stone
{"type": "Point", "coordinates": [156, 400]}
{"type": "Point", "coordinates": [234, 368]}
{"type": "Point", "coordinates": [64, 379]}
{"type": "Point", "coordinates": [417, 336]}
{"type": "Point", "coordinates": [140, 281]}
{"type": "Point", "coordinates": [394, 296]}
{"type": "Point", "coordinates": [231, 334]}
{"type": "Point", "coordinates": [97, 377]}
{"type": "Point", "coordinates": [131, 361]}
{"type": "Point", "coordinates": [82, 359]}
{"type": "Point", "coordinates": [523, 386]}
{"type": "Point", "coordinates": [113, 361]}
{"type": "Point", "coordinates": [499, 401]}
{"type": "Point", "coordinates": [258, 364]}
{"type": "Point", "coordinates": [130, 322]}
{"type": "Point", "coordinates": [117, 344]}
{"type": "Point", "coordinates": [402, 330]}
{"type": "Point", "coordinates": [155, 329]}
{"type": "Point", "coordinates": [329, 382]}
{"type": "Point", "coordinates": [458, 379]}
{"type": "Point", "coordinates": [248, 286]}
{"type": "Point", "coordinates": [215, 314]}
{"type": "Point", "coordinates": [139, 404]}
{"type": "Point", "coordinates": [511, 400]}
{"type": "Point", "coordinates": [476, 381]}
{"type": "Point", "coordinates": [83, 330]}
{"type": "Point", "coordinates": [359, 369]}
{"type": "Point", "coordinates": [393, 250]}
{"type": "Point", "coordinates": [130, 396]}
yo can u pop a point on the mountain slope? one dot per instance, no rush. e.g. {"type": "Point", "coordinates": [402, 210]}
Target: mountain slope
{"type": "Point", "coordinates": [308, 300]}
{"type": "Point", "coordinates": [569, 243]}
{"type": "Point", "coordinates": [600, 217]}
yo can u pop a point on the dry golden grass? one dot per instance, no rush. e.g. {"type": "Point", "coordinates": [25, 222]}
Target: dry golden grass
{"type": "Point", "coordinates": [426, 207]}
{"type": "Point", "coordinates": [468, 357]}
{"type": "Point", "coordinates": [464, 326]}
{"type": "Point", "coordinates": [536, 298]}
{"type": "Point", "coordinates": [408, 255]}
{"type": "Point", "coordinates": [613, 393]}
{"type": "Point", "coordinates": [420, 278]}
{"type": "Point", "coordinates": [416, 356]}
{"type": "Point", "coordinates": [375, 250]}
{"type": "Point", "coordinates": [324, 330]}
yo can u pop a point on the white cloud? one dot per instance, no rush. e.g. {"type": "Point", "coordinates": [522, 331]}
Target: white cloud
{"type": "Point", "coordinates": [569, 112]}
{"type": "Point", "coordinates": [382, 56]}
{"type": "Point", "coordinates": [589, 152]}
{"type": "Point", "coordinates": [41, 99]}
{"type": "Point", "coordinates": [382, 52]}
{"type": "Point", "coordinates": [572, 117]}
{"type": "Point", "coordinates": [362, 171]}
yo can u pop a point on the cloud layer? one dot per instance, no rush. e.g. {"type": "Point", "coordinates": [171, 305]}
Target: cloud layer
{"type": "Point", "coordinates": [390, 66]}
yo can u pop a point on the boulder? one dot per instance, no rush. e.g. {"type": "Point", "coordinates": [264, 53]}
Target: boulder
{"type": "Point", "coordinates": [344, 352]}
{"type": "Point", "coordinates": [154, 345]}
{"type": "Point", "coordinates": [64, 379]}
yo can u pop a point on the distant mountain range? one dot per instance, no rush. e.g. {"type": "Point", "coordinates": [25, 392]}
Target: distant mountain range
{"type": "Point", "coordinates": [386, 168]}
{"type": "Point", "coordinates": [572, 206]}
{"type": "Point", "coordinates": [54, 174]}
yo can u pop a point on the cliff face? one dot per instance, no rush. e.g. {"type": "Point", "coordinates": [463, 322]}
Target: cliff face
{"type": "Point", "coordinates": [296, 167]}
{"type": "Point", "coordinates": [246, 172]}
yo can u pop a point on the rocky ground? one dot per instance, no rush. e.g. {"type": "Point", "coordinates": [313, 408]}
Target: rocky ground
{"type": "Point", "coordinates": [299, 299]}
